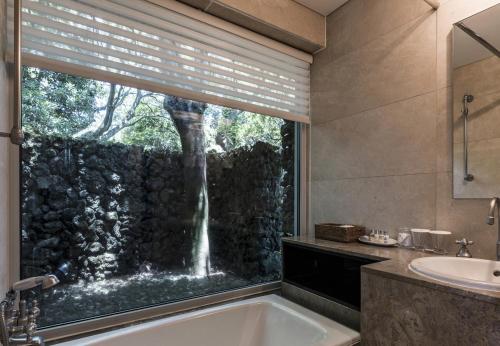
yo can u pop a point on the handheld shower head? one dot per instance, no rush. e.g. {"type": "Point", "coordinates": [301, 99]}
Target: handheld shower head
{"type": "Point", "coordinates": [45, 281]}
{"type": "Point", "coordinates": [49, 281]}
{"type": "Point", "coordinates": [468, 98]}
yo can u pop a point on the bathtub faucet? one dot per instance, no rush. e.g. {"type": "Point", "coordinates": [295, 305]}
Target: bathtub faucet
{"type": "Point", "coordinates": [18, 324]}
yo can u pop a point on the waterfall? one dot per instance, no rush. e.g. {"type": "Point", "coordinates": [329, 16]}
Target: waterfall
{"type": "Point", "coordinates": [201, 247]}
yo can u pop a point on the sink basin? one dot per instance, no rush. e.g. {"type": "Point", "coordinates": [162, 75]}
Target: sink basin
{"type": "Point", "coordinates": [466, 272]}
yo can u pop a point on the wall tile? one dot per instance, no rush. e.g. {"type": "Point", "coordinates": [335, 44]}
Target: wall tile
{"type": "Point", "coordinates": [444, 129]}
{"type": "Point", "coordinates": [394, 67]}
{"type": "Point", "coordinates": [396, 139]}
{"type": "Point", "coordinates": [352, 80]}
{"type": "Point", "coordinates": [3, 29]}
{"type": "Point", "coordinates": [464, 218]}
{"type": "Point", "coordinates": [450, 12]}
{"type": "Point", "coordinates": [484, 165]}
{"type": "Point", "coordinates": [480, 79]}
{"type": "Point", "coordinates": [385, 202]}
{"type": "Point", "coordinates": [373, 19]}
{"type": "Point", "coordinates": [484, 117]}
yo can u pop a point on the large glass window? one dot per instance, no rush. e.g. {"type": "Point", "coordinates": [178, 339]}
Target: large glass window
{"type": "Point", "coordinates": [145, 199]}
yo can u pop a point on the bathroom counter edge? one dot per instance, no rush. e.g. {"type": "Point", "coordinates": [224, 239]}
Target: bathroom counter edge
{"type": "Point", "coordinates": [393, 264]}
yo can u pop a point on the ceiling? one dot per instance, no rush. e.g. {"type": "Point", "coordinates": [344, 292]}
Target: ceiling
{"type": "Point", "coordinates": [325, 7]}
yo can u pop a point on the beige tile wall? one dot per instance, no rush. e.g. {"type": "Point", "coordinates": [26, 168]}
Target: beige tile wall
{"type": "Point", "coordinates": [4, 160]}
{"type": "Point", "coordinates": [382, 120]}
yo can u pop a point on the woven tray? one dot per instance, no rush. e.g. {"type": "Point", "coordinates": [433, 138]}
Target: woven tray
{"type": "Point", "coordinates": [338, 232]}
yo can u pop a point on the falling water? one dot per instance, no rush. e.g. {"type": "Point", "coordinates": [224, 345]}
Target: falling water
{"type": "Point", "coordinates": [67, 155]}
{"type": "Point", "coordinates": [201, 248]}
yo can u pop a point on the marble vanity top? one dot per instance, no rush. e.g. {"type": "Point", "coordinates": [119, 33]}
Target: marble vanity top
{"type": "Point", "coordinates": [393, 264]}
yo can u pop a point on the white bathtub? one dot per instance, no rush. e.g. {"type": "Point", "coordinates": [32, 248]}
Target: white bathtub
{"type": "Point", "coordinates": [263, 321]}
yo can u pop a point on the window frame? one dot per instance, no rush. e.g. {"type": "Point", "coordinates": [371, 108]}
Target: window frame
{"type": "Point", "coordinates": [120, 319]}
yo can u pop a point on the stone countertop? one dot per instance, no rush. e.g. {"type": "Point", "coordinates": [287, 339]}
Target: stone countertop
{"type": "Point", "coordinates": [393, 264]}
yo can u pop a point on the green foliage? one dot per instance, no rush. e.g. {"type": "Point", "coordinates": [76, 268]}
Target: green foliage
{"type": "Point", "coordinates": [70, 106]}
{"type": "Point", "coordinates": [57, 103]}
{"type": "Point", "coordinates": [231, 129]}
{"type": "Point", "coordinates": [153, 128]}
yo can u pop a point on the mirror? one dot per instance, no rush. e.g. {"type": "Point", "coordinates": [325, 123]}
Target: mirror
{"type": "Point", "coordinates": [476, 105]}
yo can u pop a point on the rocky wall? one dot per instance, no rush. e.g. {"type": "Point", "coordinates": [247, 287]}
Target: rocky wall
{"type": "Point", "coordinates": [245, 234]}
{"type": "Point", "coordinates": [114, 209]}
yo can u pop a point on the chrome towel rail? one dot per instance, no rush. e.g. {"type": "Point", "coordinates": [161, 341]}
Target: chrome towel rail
{"type": "Point", "coordinates": [16, 134]}
{"type": "Point", "coordinates": [465, 114]}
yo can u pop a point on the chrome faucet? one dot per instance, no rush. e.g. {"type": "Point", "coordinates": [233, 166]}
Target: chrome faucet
{"type": "Point", "coordinates": [495, 204]}
{"type": "Point", "coordinates": [18, 325]}
{"type": "Point", "coordinates": [463, 251]}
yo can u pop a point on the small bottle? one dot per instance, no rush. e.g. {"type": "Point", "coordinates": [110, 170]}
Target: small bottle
{"type": "Point", "coordinates": [372, 235]}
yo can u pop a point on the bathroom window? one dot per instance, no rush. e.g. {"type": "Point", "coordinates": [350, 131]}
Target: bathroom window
{"type": "Point", "coordinates": [145, 199]}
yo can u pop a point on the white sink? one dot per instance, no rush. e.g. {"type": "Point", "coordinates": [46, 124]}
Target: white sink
{"type": "Point", "coordinates": [467, 272]}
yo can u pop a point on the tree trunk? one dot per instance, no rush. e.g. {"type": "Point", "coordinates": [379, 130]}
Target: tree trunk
{"type": "Point", "coordinates": [108, 117]}
{"type": "Point", "coordinates": [188, 119]}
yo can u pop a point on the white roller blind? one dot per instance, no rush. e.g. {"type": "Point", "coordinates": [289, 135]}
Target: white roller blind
{"type": "Point", "coordinates": [143, 44]}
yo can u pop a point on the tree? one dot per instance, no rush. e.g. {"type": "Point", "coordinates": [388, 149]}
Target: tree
{"type": "Point", "coordinates": [119, 113]}
{"type": "Point", "coordinates": [57, 103]}
{"type": "Point", "coordinates": [64, 105]}
{"type": "Point", "coordinates": [232, 128]}
{"type": "Point", "coordinates": [188, 117]}
{"type": "Point", "coordinates": [157, 132]}
{"type": "Point", "coordinates": [70, 106]}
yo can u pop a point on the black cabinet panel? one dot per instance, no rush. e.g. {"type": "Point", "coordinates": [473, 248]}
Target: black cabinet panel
{"type": "Point", "coordinates": [332, 275]}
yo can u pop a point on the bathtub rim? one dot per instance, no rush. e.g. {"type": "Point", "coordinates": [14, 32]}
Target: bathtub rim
{"type": "Point", "coordinates": [318, 321]}
{"type": "Point", "coordinates": [84, 328]}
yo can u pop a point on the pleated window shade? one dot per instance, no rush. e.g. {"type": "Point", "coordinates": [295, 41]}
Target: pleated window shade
{"type": "Point", "coordinates": [140, 44]}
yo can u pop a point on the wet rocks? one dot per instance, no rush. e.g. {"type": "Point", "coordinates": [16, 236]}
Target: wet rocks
{"type": "Point", "coordinates": [95, 248]}
{"type": "Point", "coordinates": [53, 226]}
{"type": "Point", "coordinates": [108, 208]}
{"type": "Point", "coordinates": [52, 242]}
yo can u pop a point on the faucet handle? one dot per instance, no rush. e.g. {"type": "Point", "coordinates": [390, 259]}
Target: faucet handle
{"type": "Point", "coordinates": [12, 317]}
{"type": "Point", "coordinates": [464, 242]}
{"type": "Point", "coordinates": [463, 251]}
{"type": "Point", "coordinates": [31, 325]}
{"type": "Point", "coordinates": [35, 310]}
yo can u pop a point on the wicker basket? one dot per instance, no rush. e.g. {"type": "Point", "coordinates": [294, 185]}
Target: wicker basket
{"type": "Point", "coordinates": [338, 232]}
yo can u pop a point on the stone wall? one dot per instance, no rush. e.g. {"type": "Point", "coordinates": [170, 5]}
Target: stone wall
{"type": "Point", "coordinates": [113, 209]}
{"type": "Point", "coordinates": [245, 234]}
{"type": "Point", "coordinates": [405, 312]}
